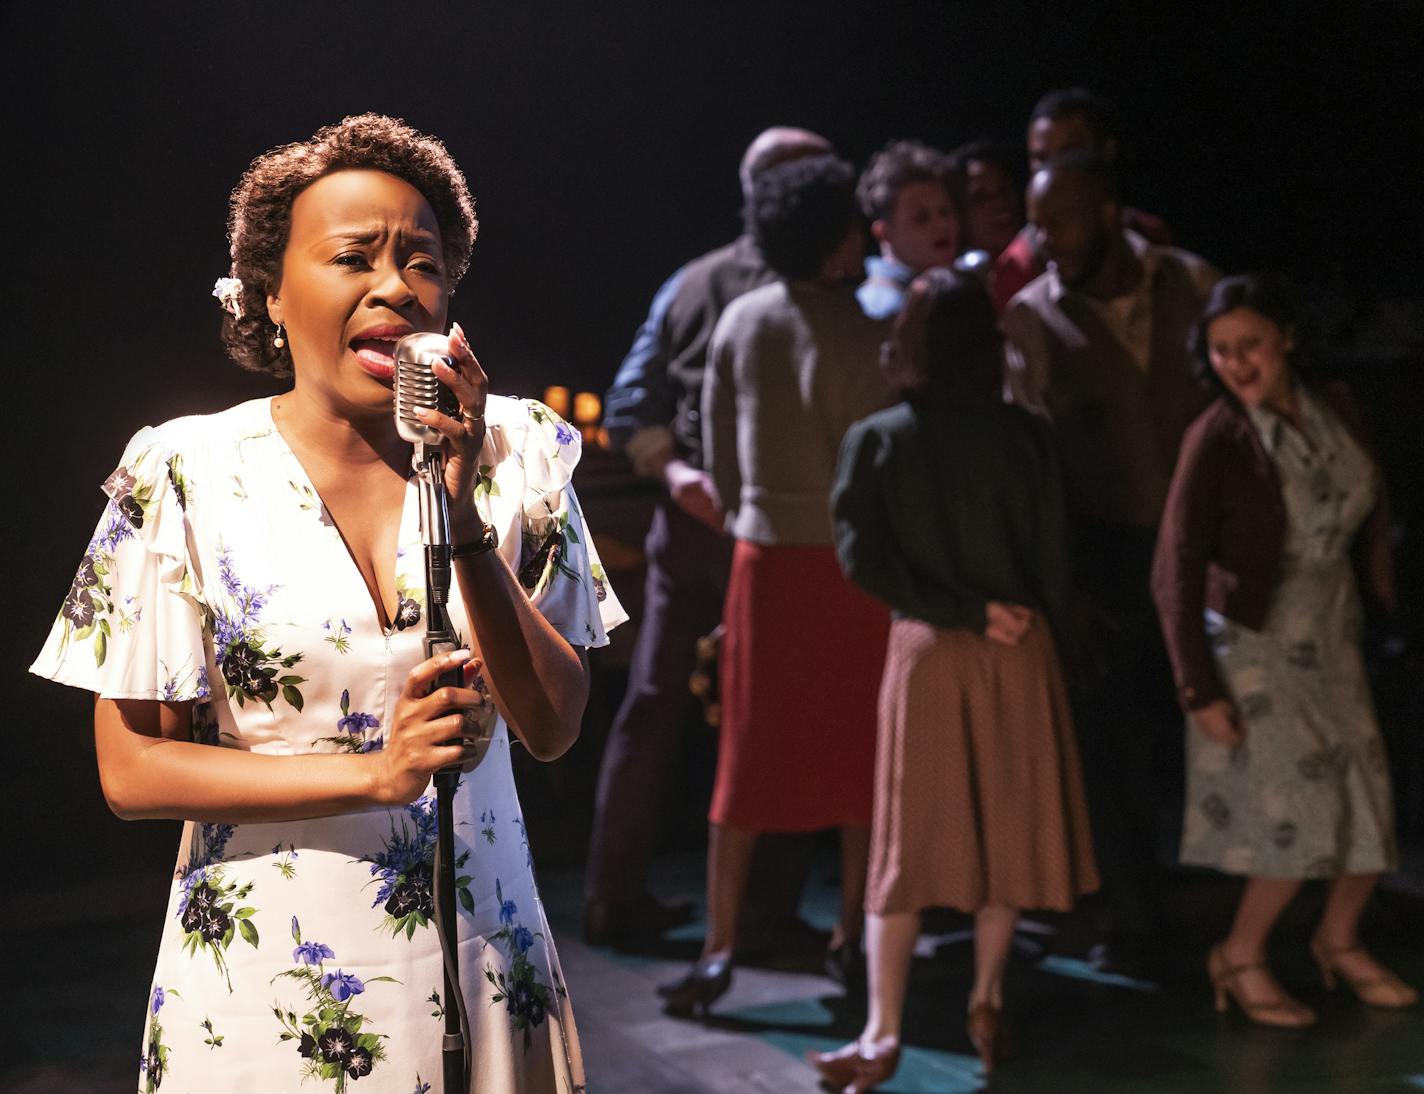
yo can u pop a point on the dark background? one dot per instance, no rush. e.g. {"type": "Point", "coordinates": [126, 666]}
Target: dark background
{"type": "Point", "coordinates": [601, 143]}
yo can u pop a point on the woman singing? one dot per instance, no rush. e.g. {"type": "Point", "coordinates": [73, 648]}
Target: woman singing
{"type": "Point", "coordinates": [249, 615]}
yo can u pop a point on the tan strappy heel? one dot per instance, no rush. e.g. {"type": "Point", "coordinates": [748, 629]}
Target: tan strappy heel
{"type": "Point", "coordinates": [1385, 990]}
{"type": "Point", "coordinates": [1286, 1013]}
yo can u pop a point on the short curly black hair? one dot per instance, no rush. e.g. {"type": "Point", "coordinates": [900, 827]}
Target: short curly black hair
{"type": "Point", "coordinates": [896, 166]}
{"type": "Point", "coordinates": [260, 215]}
{"type": "Point", "coordinates": [800, 211]}
{"type": "Point", "coordinates": [1078, 102]}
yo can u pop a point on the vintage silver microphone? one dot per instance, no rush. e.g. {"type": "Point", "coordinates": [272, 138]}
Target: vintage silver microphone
{"type": "Point", "coordinates": [417, 386]}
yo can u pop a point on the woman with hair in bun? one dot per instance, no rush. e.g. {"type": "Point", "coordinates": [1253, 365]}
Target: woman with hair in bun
{"type": "Point", "coordinates": [1275, 507]}
{"type": "Point", "coordinates": [249, 616]}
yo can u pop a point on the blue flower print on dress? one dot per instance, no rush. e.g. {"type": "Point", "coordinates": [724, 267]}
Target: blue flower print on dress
{"type": "Point", "coordinates": [507, 908]}
{"type": "Point", "coordinates": [249, 669]}
{"type": "Point", "coordinates": [186, 683]}
{"type": "Point", "coordinates": [312, 953]}
{"type": "Point", "coordinates": [206, 729]}
{"type": "Point", "coordinates": [339, 635]}
{"type": "Point", "coordinates": [406, 869]}
{"type": "Point", "coordinates": [553, 425]}
{"type": "Point", "coordinates": [285, 861]}
{"type": "Point", "coordinates": [351, 729]}
{"type": "Point", "coordinates": [524, 841]}
{"type": "Point", "coordinates": [342, 985]}
{"type": "Point", "coordinates": [90, 611]}
{"type": "Point", "coordinates": [212, 909]}
{"type": "Point", "coordinates": [517, 985]}
{"type": "Point", "coordinates": [330, 1037]}
{"type": "Point", "coordinates": [153, 1061]}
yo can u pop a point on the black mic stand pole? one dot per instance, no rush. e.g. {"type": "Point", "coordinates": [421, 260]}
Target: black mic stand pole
{"type": "Point", "coordinates": [440, 638]}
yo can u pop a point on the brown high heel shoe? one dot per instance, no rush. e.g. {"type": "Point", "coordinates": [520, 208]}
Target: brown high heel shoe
{"type": "Point", "coordinates": [987, 1034]}
{"type": "Point", "coordinates": [1285, 1013]}
{"type": "Point", "coordinates": [1386, 990]}
{"type": "Point", "coordinates": [851, 1070]}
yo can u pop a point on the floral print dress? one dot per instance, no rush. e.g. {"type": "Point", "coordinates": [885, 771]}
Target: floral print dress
{"type": "Point", "coordinates": [1306, 794]}
{"type": "Point", "coordinates": [304, 954]}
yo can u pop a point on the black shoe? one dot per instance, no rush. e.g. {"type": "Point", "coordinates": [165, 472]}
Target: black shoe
{"type": "Point", "coordinates": [845, 964]}
{"type": "Point", "coordinates": [608, 924]}
{"type": "Point", "coordinates": [699, 989]}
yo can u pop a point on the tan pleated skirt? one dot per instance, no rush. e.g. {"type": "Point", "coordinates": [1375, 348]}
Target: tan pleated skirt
{"type": "Point", "coordinates": [978, 792]}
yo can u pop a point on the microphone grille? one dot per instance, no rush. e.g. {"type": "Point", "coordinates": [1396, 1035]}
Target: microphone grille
{"type": "Point", "coordinates": [417, 386]}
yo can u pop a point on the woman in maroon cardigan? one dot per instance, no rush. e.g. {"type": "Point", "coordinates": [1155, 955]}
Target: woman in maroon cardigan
{"type": "Point", "coordinates": [1253, 578]}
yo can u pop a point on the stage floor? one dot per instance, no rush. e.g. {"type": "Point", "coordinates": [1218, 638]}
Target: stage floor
{"type": "Point", "coordinates": [76, 984]}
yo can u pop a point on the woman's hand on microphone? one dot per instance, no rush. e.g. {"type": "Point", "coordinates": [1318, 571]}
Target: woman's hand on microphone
{"type": "Point", "coordinates": [464, 434]}
{"type": "Point", "coordinates": [426, 718]}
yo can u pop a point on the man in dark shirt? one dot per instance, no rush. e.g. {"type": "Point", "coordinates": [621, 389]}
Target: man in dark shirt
{"type": "Point", "coordinates": [1071, 119]}
{"type": "Point", "coordinates": [1098, 345]}
{"type": "Point", "coordinates": [653, 415]}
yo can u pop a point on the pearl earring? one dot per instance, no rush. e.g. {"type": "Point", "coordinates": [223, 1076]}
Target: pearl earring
{"type": "Point", "coordinates": [279, 341]}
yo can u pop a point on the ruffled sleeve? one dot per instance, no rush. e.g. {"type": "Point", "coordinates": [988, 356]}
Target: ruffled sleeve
{"type": "Point", "coordinates": [131, 626]}
{"type": "Point", "coordinates": [557, 562]}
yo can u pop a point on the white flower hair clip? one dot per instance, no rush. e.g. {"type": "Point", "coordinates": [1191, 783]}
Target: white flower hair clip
{"type": "Point", "coordinates": [228, 290]}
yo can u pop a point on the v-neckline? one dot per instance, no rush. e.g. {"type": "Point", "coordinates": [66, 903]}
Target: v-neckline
{"type": "Point", "coordinates": [405, 531]}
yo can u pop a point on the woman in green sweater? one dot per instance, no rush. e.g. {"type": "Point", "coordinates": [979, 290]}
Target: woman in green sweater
{"type": "Point", "coordinates": [947, 507]}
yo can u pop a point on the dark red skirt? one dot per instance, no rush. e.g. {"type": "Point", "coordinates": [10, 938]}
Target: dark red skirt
{"type": "Point", "coordinates": [802, 655]}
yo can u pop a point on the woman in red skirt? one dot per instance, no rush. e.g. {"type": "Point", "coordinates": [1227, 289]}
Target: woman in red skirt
{"type": "Point", "coordinates": [947, 507]}
{"type": "Point", "coordinates": [791, 366]}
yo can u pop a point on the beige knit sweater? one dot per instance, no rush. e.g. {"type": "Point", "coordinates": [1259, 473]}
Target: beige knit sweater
{"type": "Point", "coordinates": [791, 366]}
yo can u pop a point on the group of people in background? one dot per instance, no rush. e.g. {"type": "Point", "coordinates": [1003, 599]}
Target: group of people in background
{"type": "Point", "coordinates": [982, 517]}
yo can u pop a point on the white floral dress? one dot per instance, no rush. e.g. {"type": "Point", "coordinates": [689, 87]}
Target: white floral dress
{"type": "Point", "coordinates": [303, 954]}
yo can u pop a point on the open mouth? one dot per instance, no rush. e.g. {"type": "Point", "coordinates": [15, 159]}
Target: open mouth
{"type": "Point", "coordinates": [377, 355]}
{"type": "Point", "coordinates": [375, 350]}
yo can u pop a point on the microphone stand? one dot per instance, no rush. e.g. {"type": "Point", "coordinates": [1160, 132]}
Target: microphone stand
{"type": "Point", "coordinates": [429, 464]}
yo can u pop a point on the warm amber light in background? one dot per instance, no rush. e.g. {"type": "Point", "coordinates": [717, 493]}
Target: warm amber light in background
{"type": "Point", "coordinates": [557, 399]}
{"type": "Point", "coordinates": [588, 408]}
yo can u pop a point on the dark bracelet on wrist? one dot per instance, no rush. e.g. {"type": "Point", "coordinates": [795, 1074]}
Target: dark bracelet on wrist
{"type": "Point", "coordinates": [486, 543]}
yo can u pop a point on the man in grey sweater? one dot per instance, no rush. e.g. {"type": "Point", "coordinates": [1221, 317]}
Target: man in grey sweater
{"type": "Point", "coordinates": [653, 414]}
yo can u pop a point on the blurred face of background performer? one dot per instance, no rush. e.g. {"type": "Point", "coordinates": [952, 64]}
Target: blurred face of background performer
{"type": "Point", "coordinates": [1049, 138]}
{"type": "Point", "coordinates": [993, 213]}
{"type": "Point", "coordinates": [363, 266]}
{"type": "Point", "coordinates": [923, 227]}
{"type": "Point", "coordinates": [1250, 354]}
{"type": "Point", "coordinates": [1075, 224]}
